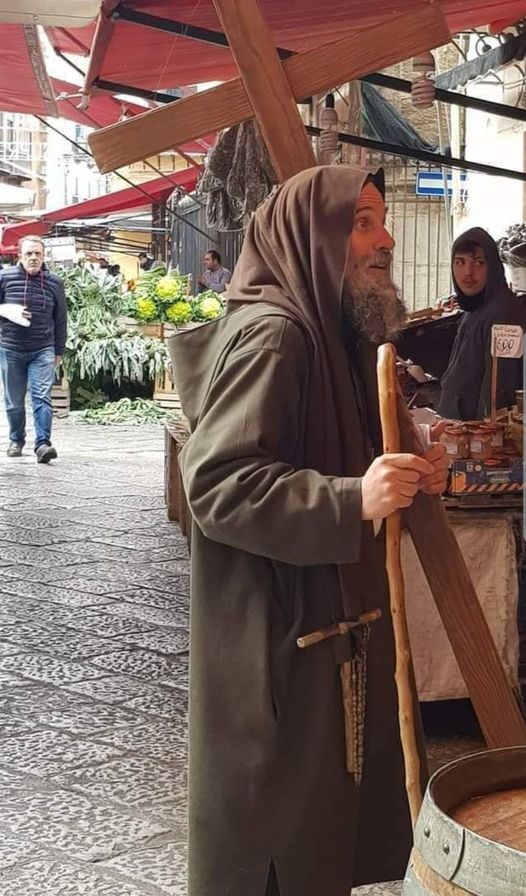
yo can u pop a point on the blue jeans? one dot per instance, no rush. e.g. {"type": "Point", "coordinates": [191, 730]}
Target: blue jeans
{"type": "Point", "coordinates": [38, 369]}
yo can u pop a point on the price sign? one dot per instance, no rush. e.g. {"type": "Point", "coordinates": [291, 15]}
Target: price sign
{"type": "Point", "coordinates": [507, 341]}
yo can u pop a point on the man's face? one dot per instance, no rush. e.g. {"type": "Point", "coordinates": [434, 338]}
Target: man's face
{"type": "Point", "coordinates": [210, 262]}
{"type": "Point", "coordinates": [370, 299]}
{"type": "Point", "coordinates": [470, 270]}
{"type": "Point", "coordinates": [32, 256]}
{"type": "Point", "coordinates": [370, 244]}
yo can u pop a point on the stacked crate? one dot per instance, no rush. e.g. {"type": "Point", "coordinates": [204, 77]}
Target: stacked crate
{"type": "Point", "coordinates": [61, 397]}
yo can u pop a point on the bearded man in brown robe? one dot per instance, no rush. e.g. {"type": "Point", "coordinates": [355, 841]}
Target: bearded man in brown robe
{"type": "Point", "coordinates": [287, 490]}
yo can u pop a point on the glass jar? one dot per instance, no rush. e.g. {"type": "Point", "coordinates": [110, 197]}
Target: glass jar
{"type": "Point", "coordinates": [455, 438]}
{"type": "Point", "coordinates": [480, 444]}
{"type": "Point", "coordinates": [497, 434]}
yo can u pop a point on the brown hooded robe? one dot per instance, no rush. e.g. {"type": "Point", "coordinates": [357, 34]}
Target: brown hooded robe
{"type": "Point", "coordinates": [284, 422]}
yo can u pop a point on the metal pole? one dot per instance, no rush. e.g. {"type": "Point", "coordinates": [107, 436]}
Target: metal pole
{"type": "Point", "coordinates": [424, 156]}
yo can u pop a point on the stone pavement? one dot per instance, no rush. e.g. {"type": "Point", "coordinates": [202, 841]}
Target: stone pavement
{"type": "Point", "coordinates": [94, 613]}
{"type": "Point", "coordinates": [93, 670]}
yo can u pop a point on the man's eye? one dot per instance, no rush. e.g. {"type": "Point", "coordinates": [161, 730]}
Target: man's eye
{"type": "Point", "coordinates": [361, 223]}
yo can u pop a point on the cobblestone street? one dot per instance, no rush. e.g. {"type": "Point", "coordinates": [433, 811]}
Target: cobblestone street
{"type": "Point", "coordinates": [94, 614]}
{"type": "Point", "coordinates": [93, 670]}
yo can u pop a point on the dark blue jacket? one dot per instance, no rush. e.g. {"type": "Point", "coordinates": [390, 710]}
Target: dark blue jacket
{"type": "Point", "coordinates": [43, 295]}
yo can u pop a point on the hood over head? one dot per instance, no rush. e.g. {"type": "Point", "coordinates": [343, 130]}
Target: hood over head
{"type": "Point", "coordinates": [293, 258]}
{"type": "Point", "coordinates": [295, 251]}
{"type": "Point", "coordinates": [496, 282]}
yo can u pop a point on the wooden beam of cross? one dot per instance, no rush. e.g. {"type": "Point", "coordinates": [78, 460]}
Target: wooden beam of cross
{"type": "Point", "coordinates": [268, 88]}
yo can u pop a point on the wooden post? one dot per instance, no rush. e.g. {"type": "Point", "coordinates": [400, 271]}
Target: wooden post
{"type": "Point", "coordinates": [387, 393]}
{"type": "Point", "coordinates": [494, 370]}
{"type": "Point", "coordinates": [267, 87]}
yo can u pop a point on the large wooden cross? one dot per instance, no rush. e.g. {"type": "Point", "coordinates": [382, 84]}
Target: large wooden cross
{"type": "Point", "coordinates": [267, 88]}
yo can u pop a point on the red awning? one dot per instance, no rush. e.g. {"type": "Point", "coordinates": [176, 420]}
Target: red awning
{"type": "Point", "coordinates": [25, 86]}
{"type": "Point", "coordinates": [103, 108]}
{"type": "Point", "coordinates": [156, 190]}
{"type": "Point", "coordinates": [141, 56]}
{"type": "Point", "coordinates": [75, 41]}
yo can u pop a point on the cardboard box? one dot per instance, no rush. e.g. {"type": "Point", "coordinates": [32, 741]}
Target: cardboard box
{"type": "Point", "coordinates": [471, 477]}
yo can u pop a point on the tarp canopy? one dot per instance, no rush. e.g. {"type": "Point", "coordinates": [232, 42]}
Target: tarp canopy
{"type": "Point", "coordinates": [25, 86]}
{"type": "Point", "coordinates": [157, 190]}
{"type": "Point", "coordinates": [24, 83]}
{"type": "Point", "coordinates": [141, 56]}
{"type": "Point", "coordinates": [382, 121]}
{"type": "Point", "coordinates": [490, 61]}
{"type": "Point", "coordinates": [76, 42]}
{"type": "Point", "coordinates": [103, 108]}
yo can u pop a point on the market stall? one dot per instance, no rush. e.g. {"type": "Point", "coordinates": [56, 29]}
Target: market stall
{"type": "Point", "coordinates": [488, 541]}
{"type": "Point", "coordinates": [484, 508]}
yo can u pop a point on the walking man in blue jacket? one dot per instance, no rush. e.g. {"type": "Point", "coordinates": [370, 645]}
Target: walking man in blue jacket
{"type": "Point", "coordinates": [29, 355]}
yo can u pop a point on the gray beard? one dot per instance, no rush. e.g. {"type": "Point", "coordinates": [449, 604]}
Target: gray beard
{"type": "Point", "coordinates": [375, 310]}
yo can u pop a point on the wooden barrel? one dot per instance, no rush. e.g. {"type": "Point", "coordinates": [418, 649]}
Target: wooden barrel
{"type": "Point", "coordinates": [470, 837]}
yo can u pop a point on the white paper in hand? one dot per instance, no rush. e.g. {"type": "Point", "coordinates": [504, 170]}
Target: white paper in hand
{"type": "Point", "coordinates": [14, 313]}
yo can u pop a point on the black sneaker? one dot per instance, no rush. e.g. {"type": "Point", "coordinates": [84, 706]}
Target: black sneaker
{"type": "Point", "coordinates": [45, 453]}
{"type": "Point", "coordinates": [15, 449]}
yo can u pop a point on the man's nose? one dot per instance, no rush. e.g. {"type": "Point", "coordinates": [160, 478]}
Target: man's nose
{"type": "Point", "coordinates": [385, 241]}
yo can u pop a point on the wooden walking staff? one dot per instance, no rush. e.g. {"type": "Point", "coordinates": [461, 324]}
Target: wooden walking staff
{"type": "Point", "coordinates": [387, 393]}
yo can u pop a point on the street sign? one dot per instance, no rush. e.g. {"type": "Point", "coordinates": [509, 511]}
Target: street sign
{"type": "Point", "coordinates": [431, 183]}
{"type": "Point", "coordinates": [506, 341]}
{"type": "Point", "coordinates": [60, 248]}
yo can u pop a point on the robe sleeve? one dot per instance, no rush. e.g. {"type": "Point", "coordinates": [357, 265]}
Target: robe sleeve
{"type": "Point", "coordinates": [241, 485]}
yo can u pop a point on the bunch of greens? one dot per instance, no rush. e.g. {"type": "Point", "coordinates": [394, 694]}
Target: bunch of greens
{"type": "Point", "coordinates": [132, 412]}
{"type": "Point", "coordinates": [126, 357]}
{"type": "Point", "coordinates": [99, 347]}
{"type": "Point", "coordinates": [93, 305]}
